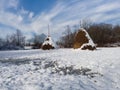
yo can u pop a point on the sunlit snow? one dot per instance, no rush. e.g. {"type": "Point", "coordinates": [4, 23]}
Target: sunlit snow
{"type": "Point", "coordinates": [60, 69]}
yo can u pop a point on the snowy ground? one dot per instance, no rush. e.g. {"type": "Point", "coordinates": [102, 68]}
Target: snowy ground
{"type": "Point", "coordinates": [60, 69]}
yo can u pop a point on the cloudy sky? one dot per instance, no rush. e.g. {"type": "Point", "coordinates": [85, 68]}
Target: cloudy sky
{"type": "Point", "coordinates": [33, 16]}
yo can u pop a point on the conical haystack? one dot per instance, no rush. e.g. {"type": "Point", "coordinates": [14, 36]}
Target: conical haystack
{"type": "Point", "coordinates": [48, 44]}
{"type": "Point", "coordinates": [83, 40]}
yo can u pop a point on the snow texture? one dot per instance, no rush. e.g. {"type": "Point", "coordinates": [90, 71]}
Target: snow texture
{"type": "Point", "coordinates": [45, 70]}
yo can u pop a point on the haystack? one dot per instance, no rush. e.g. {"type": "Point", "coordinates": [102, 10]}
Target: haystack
{"type": "Point", "coordinates": [83, 40]}
{"type": "Point", "coordinates": [48, 44]}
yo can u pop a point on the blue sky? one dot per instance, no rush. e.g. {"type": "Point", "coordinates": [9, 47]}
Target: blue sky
{"type": "Point", "coordinates": [37, 6]}
{"type": "Point", "coordinates": [33, 16]}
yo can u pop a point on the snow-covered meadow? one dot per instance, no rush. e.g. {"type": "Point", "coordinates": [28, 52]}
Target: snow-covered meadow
{"type": "Point", "coordinates": [60, 69]}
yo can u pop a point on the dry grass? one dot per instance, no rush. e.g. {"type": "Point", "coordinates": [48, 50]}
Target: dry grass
{"type": "Point", "coordinates": [89, 47]}
{"type": "Point", "coordinates": [80, 39]}
{"type": "Point", "coordinates": [47, 47]}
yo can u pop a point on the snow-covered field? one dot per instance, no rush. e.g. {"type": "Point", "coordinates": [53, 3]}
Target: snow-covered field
{"type": "Point", "coordinates": [60, 69]}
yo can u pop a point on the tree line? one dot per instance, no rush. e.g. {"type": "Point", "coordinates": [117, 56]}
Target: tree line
{"type": "Point", "coordinates": [102, 34]}
{"type": "Point", "coordinates": [14, 41]}
{"type": "Point", "coordinates": [17, 41]}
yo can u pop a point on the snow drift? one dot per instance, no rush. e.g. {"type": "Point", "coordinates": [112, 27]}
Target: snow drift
{"type": "Point", "coordinates": [60, 69]}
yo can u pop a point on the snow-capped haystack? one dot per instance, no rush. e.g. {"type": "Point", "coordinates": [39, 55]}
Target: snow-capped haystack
{"type": "Point", "coordinates": [48, 44]}
{"type": "Point", "coordinates": [83, 40]}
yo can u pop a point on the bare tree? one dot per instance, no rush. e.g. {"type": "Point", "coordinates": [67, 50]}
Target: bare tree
{"type": "Point", "coordinates": [18, 36]}
{"type": "Point", "coordinates": [67, 39]}
{"type": "Point", "coordinates": [85, 23]}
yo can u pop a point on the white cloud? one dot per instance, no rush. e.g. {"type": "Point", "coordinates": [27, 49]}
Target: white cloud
{"type": "Point", "coordinates": [5, 31]}
{"type": "Point", "coordinates": [31, 14]}
{"type": "Point", "coordinates": [13, 3]}
{"type": "Point", "coordinates": [62, 14]}
{"type": "Point", "coordinates": [4, 4]}
{"type": "Point", "coordinates": [23, 11]}
{"type": "Point", "coordinates": [20, 19]}
{"type": "Point", "coordinates": [108, 7]}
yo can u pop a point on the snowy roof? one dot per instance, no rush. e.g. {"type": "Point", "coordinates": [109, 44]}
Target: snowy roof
{"type": "Point", "coordinates": [90, 42]}
{"type": "Point", "coordinates": [49, 41]}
